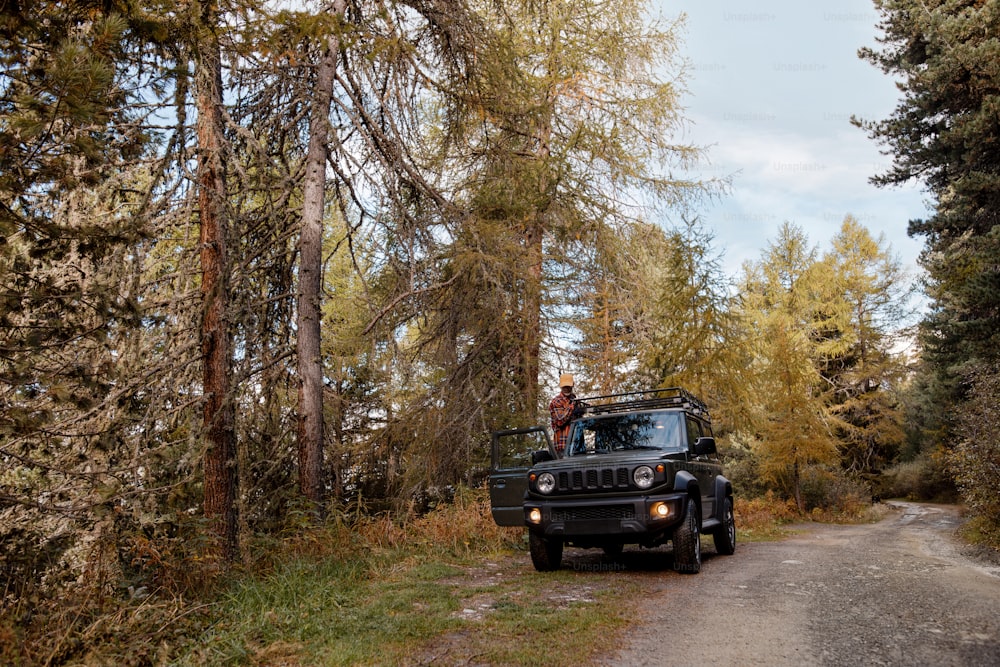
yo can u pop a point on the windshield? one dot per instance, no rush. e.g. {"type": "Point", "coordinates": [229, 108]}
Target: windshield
{"type": "Point", "coordinates": [624, 432]}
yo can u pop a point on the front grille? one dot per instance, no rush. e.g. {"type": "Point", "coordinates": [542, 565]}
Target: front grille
{"type": "Point", "coordinates": [592, 479]}
{"type": "Point", "coordinates": [592, 513]}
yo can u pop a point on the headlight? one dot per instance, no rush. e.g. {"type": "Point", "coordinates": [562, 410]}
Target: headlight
{"type": "Point", "coordinates": [546, 482]}
{"type": "Point", "coordinates": [643, 477]}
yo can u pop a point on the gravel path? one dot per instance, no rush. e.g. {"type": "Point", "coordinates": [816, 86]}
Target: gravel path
{"type": "Point", "coordinates": [899, 592]}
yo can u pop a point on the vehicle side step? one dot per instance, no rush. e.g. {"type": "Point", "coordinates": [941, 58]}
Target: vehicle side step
{"type": "Point", "coordinates": [709, 525]}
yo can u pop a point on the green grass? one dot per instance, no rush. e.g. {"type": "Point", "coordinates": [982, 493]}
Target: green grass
{"type": "Point", "coordinates": [449, 587]}
{"type": "Point", "coordinates": [395, 607]}
{"type": "Point", "coordinates": [335, 615]}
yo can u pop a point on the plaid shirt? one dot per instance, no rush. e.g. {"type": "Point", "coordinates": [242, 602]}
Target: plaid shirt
{"type": "Point", "coordinates": [561, 409]}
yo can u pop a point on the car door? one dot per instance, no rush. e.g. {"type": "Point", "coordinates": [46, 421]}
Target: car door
{"type": "Point", "coordinates": [510, 460]}
{"type": "Point", "coordinates": [701, 468]}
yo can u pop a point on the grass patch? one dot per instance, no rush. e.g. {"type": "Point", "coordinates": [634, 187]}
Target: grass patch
{"type": "Point", "coordinates": [327, 614]}
{"type": "Point", "coordinates": [432, 590]}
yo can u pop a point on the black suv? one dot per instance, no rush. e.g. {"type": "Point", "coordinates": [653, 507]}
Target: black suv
{"type": "Point", "coordinates": [639, 468]}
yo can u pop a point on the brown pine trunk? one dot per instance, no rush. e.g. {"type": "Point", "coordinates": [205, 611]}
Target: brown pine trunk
{"type": "Point", "coordinates": [310, 362]}
{"type": "Point", "coordinates": [220, 451]}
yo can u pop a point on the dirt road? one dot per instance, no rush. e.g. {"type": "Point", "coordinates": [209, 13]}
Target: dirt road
{"type": "Point", "coordinates": [899, 592]}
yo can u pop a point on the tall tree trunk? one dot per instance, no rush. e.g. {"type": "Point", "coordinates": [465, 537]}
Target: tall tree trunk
{"type": "Point", "coordinates": [797, 487]}
{"type": "Point", "coordinates": [310, 362]}
{"type": "Point", "coordinates": [220, 450]}
{"type": "Point", "coordinates": [532, 319]}
{"type": "Point", "coordinates": [534, 236]}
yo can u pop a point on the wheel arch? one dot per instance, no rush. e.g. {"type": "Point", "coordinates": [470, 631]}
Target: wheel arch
{"type": "Point", "coordinates": [723, 490]}
{"type": "Point", "coordinates": [688, 483]}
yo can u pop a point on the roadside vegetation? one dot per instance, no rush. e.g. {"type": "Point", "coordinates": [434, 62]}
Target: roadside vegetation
{"type": "Point", "coordinates": [353, 590]}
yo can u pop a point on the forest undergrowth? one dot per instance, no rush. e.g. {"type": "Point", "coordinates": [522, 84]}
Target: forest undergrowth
{"type": "Point", "coordinates": [354, 589]}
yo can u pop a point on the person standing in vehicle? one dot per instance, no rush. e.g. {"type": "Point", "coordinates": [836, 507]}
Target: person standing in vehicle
{"type": "Point", "coordinates": [562, 409]}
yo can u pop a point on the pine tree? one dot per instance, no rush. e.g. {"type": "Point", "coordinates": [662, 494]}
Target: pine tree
{"type": "Point", "coordinates": [944, 133]}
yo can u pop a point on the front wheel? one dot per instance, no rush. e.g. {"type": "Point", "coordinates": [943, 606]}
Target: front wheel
{"type": "Point", "coordinates": [725, 534]}
{"type": "Point", "coordinates": [546, 554]}
{"type": "Point", "coordinates": [687, 542]}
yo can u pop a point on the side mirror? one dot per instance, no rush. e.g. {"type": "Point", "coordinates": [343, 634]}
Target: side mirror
{"type": "Point", "coordinates": [704, 446]}
{"type": "Point", "coordinates": [540, 456]}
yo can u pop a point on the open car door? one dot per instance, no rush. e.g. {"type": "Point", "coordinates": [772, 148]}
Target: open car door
{"type": "Point", "coordinates": [510, 459]}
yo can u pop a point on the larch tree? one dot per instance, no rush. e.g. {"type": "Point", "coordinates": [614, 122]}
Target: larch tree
{"type": "Point", "coordinates": [780, 300]}
{"type": "Point", "coordinates": [688, 336]}
{"type": "Point", "coordinates": [329, 100]}
{"type": "Point", "coordinates": [654, 311]}
{"type": "Point", "coordinates": [572, 130]}
{"type": "Point", "coordinates": [310, 275]}
{"type": "Point", "coordinates": [867, 297]}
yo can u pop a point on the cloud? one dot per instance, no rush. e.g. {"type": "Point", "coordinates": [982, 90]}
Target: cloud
{"type": "Point", "coordinates": [771, 96]}
{"type": "Point", "coordinates": [811, 179]}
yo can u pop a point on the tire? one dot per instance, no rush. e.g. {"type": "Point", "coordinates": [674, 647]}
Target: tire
{"type": "Point", "coordinates": [687, 542]}
{"type": "Point", "coordinates": [725, 535]}
{"type": "Point", "coordinates": [546, 554]}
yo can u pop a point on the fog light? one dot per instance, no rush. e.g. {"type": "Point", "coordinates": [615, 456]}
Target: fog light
{"type": "Point", "coordinates": [535, 515]}
{"type": "Point", "coordinates": [660, 510]}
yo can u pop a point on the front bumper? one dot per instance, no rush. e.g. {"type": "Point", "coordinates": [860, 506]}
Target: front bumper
{"type": "Point", "coordinates": [637, 517]}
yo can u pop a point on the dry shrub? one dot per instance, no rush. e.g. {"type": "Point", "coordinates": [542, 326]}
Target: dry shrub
{"type": "Point", "coordinates": [831, 494]}
{"type": "Point", "coordinates": [136, 595]}
{"type": "Point", "coordinates": [9, 641]}
{"type": "Point", "coordinates": [146, 592]}
{"type": "Point", "coordinates": [463, 526]}
{"type": "Point", "coordinates": [981, 531]}
{"type": "Point", "coordinates": [383, 531]}
{"type": "Point", "coordinates": [176, 558]}
{"type": "Point", "coordinates": [343, 532]}
{"type": "Point", "coordinates": [925, 478]}
{"type": "Point", "coordinates": [763, 513]}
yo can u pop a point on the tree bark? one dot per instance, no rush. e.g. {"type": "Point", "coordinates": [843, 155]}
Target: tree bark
{"type": "Point", "coordinates": [309, 338]}
{"type": "Point", "coordinates": [532, 316]}
{"type": "Point", "coordinates": [534, 237]}
{"type": "Point", "coordinates": [220, 451]}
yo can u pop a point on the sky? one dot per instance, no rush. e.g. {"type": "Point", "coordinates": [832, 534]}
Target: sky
{"type": "Point", "coordinates": [772, 85]}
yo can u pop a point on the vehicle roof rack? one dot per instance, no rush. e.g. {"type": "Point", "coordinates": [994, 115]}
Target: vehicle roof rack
{"type": "Point", "coordinates": [670, 397]}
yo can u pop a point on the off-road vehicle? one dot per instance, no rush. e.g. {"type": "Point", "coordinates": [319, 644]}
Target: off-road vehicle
{"type": "Point", "coordinates": [639, 468]}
